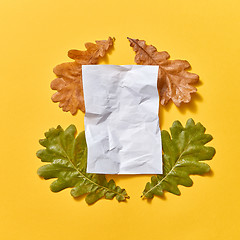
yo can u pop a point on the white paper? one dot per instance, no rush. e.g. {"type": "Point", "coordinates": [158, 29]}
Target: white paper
{"type": "Point", "coordinates": [121, 120]}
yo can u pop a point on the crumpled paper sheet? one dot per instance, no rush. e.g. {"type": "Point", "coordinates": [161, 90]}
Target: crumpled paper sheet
{"type": "Point", "coordinates": [121, 120]}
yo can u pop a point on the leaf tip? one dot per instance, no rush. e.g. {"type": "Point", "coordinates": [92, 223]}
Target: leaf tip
{"type": "Point", "coordinates": [39, 153]}
{"type": "Point", "coordinates": [212, 152]}
{"type": "Point", "coordinates": [190, 122]}
{"type": "Point", "coordinates": [130, 39]}
{"type": "Point", "coordinates": [40, 172]}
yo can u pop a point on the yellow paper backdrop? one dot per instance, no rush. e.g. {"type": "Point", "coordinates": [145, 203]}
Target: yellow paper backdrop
{"type": "Point", "coordinates": [36, 35]}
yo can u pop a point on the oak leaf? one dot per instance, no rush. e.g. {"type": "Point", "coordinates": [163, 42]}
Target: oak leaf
{"type": "Point", "coordinates": [66, 155]}
{"type": "Point", "coordinates": [174, 81]}
{"type": "Point", "coordinates": [69, 82]}
{"type": "Point", "coordinates": [184, 150]}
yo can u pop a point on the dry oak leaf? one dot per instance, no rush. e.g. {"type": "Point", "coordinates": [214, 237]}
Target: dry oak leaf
{"type": "Point", "coordinates": [174, 81]}
{"type": "Point", "coordinates": [69, 82]}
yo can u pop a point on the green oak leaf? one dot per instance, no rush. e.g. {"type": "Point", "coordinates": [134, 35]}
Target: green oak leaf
{"type": "Point", "coordinates": [183, 152]}
{"type": "Point", "coordinates": [67, 156]}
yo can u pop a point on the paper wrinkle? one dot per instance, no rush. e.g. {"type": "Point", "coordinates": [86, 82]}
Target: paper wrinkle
{"type": "Point", "coordinates": [121, 121]}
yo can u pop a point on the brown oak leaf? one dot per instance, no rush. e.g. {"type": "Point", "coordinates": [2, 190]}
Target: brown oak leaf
{"type": "Point", "coordinates": [174, 81]}
{"type": "Point", "coordinates": [69, 75]}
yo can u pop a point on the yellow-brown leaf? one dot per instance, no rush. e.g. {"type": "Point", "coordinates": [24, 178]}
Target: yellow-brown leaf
{"type": "Point", "coordinates": [69, 75]}
{"type": "Point", "coordinates": [174, 81]}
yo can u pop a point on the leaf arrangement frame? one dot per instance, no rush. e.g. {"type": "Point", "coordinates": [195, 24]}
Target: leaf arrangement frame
{"type": "Point", "coordinates": [66, 152]}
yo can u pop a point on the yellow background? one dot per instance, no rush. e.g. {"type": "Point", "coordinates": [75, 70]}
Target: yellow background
{"type": "Point", "coordinates": [36, 35]}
